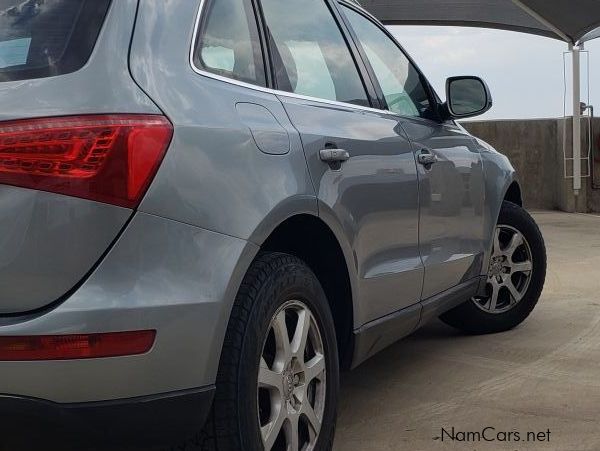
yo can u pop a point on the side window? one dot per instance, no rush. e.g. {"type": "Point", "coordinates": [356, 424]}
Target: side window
{"type": "Point", "coordinates": [398, 78]}
{"type": "Point", "coordinates": [228, 42]}
{"type": "Point", "coordinates": [310, 55]}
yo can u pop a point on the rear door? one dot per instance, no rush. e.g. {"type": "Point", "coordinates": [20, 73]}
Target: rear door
{"type": "Point", "coordinates": [360, 159]}
{"type": "Point", "coordinates": [450, 169]}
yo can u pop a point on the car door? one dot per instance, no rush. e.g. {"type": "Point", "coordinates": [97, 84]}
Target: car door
{"type": "Point", "coordinates": [360, 159]}
{"type": "Point", "coordinates": [452, 197]}
{"type": "Point", "coordinates": [450, 169]}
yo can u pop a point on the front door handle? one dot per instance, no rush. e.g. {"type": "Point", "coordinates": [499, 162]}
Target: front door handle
{"type": "Point", "coordinates": [427, 158]}
{"type": "Point", "coordinates": [334, 155]}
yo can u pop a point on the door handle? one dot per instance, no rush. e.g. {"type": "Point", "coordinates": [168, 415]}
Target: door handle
{"type": "Point", "coordinates": [426, 158]}
{"type": "Point", "coordinates": [334, 155]}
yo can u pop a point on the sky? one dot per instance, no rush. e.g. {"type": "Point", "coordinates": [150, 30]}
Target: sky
{"type": "Point", "coordinates": [524, 72]}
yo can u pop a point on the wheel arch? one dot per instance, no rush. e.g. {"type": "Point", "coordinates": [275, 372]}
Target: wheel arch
{"type": "Point", "coordinates": [309, 238]}
{"type": "Point", "coordinates": [514, 194]}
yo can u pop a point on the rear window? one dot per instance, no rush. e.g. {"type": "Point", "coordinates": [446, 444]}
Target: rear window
{"type": "Point", "coordinates": [43, 38]}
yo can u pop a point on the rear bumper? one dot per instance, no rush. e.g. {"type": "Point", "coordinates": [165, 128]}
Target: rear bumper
{"type": "Point", "coordinates": [143, 423]}
{"type": "Point", "coordinates": [160, 275]}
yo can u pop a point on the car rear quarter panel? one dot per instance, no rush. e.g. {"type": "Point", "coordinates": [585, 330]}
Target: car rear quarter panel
{"type": "Point", "coordinates": [214, 175]}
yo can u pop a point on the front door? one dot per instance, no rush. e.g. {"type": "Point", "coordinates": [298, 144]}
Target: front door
{"type": "Point", "coordinates": [449, 166]}
{"type": "Point", "coordinates": [451, 191]}
{"type": "Point", "coordinates": [360, 160]}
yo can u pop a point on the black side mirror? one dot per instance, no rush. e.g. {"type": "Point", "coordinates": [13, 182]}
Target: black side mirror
{"type": "Point", "coordinates": [467, 97]}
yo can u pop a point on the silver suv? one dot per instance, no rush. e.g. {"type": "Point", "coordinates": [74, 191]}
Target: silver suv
{"type": "Point", "coordinates": [208, 208]}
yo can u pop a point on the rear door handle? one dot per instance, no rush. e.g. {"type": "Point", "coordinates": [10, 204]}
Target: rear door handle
{"type": "Point", "coordinates": [427, 158]}
{"type": "Point", "coordinates": [334, 155]}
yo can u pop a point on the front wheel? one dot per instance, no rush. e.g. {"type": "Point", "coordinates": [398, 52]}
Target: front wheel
{"type": "Point", "coordinates": [516, 275]}
{"type": "Point", "coordinates": [277, 385]}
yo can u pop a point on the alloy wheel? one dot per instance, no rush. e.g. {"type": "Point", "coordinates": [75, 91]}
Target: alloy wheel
{"type": "Point", "coordinates": [291, 381]}
{"type": "Point", "coordinates": [509, 273]}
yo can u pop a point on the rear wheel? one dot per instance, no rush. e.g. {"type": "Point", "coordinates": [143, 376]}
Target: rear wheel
{"type": "Point", "coordinates": [292, 381]}
{"type": "Point", "coordinates": [516, 274]}
{"type": "Point", "coordinates": [277, 385]}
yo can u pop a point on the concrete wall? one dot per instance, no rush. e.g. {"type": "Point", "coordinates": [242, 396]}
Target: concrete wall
{"type": "Point", "coordinates": [537, 149]}
{"type": "Point", "coordinates": [531, 147]}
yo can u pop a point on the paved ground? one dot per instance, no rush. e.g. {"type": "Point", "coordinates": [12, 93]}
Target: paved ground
{"type": "Point", "coordinates": [543, 375]}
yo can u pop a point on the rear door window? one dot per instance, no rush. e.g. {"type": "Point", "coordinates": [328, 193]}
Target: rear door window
{"type": "Point", "coordinates": [43, 38]}
{"type": "Point", "coordinates": [309, 52]}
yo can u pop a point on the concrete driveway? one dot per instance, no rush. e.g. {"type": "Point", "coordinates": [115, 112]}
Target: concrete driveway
{"type": "Point", "coordinates": [543, 376]}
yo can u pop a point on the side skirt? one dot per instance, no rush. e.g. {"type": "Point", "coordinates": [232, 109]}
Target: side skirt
{"type": "Point", "coordinates": [441, 303]}
{"type": "Point", "coordinates": [381, 333]}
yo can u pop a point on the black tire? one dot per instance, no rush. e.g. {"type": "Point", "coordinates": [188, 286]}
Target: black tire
{"type": "Point", "coordinates": [272, 280]}
{"type": "Point", "coordinates": [471, 319]}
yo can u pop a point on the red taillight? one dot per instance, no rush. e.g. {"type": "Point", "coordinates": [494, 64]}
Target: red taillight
{"type": "Point", "coordinates": [108, 158]}
{"type": "Point", "coordinates": [81, 346]}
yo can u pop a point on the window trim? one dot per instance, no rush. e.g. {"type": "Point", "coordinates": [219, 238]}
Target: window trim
{"type": "Point", "coordinates": [427, 86]}
{"type": "Point", "coordinates": [268, 90]}
{"type": "Point", "coordinates": [264, 43]}
{"type": "Point", "coordinates": [364, 77]}
{"type": "Point", "coordinates": [357, 56]}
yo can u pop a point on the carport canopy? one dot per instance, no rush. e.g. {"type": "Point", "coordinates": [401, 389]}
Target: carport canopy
{"type": "Point", "coordinates": [573, 21]}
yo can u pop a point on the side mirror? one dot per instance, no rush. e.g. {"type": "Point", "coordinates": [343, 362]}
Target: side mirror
{"type": "Point", "coordinates": [467, 97]}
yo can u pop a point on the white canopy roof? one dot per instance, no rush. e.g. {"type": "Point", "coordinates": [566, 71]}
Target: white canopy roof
{"type": "Point", "coordinates": [573, 21]}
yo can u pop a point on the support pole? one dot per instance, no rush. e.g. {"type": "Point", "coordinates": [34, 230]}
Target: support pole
{"type": "Point", "coordinates": [576, 120]}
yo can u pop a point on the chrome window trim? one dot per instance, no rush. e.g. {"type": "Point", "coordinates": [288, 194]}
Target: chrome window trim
{"type": "Point", "coordinates": [263, 88]}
